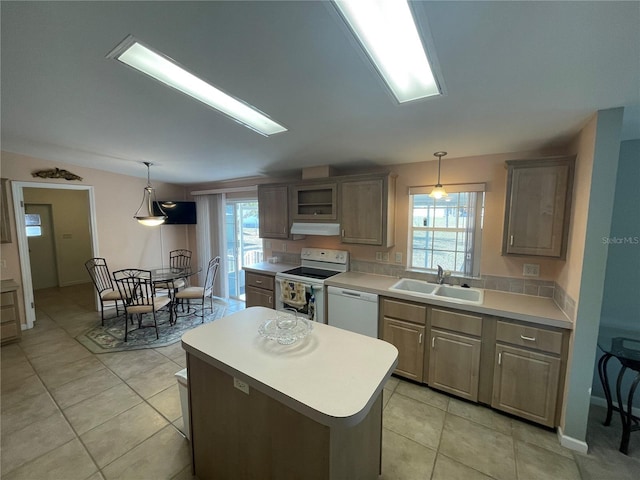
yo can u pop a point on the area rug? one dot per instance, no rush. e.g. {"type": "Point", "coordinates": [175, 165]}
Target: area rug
{"type": "Point", "coordinates": [110, 337]}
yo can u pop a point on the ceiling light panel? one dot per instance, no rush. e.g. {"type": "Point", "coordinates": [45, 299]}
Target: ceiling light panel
{"type": "Point", "coordinates": [387, 31]}
{"type": "Point", "coordinates": [158, 66]}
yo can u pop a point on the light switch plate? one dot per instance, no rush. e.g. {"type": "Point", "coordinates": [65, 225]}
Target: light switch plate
{"type": "Point", "coordinates": [398, 257]}
{"type": "Point", "coordinates": [378, 256]}
{"type": "Point", "coordinates": [385, 257]}
{"type": "Point", "coordinates": [531, 270]}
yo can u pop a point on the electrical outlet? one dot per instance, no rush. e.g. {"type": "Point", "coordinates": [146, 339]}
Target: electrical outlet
{"type": "Point", "coordinates": [267, 244]}
{"type": "Point", "coordinates": [3, 262]}
{"type": "Point", "coordinates": [385, 257]}
{"type": "Point", "coordinates": [398, 257]}
{"type": "Point", "coordinates": [378, 256]}
{"type": "Point", "coordinates": [284, 247]}
{"type": "Point", "coordinates": [240, 385]}
{"type": "Point", "coordinates": [531, 270]}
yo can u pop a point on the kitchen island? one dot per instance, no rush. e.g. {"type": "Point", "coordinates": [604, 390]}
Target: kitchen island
{"type": "Point", "coordinates": [310, 410]}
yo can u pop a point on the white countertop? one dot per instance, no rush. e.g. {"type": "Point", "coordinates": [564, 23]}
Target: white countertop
{"type": "Point", "coordinates": [516, 306]}
{"type": "Point", "coordinates": [332, 376]}
{"type": "Point", "coordinates": [269, 268]}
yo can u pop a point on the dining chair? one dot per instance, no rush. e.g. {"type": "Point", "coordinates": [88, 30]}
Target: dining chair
{"type": "Point", "coordinates": [180, 258]}
{"type": "Point", "coordinates": [137, 286]}
{"type": "Point", "coordinates": [200, 293]}
{"type": "Point", "coordinates": [99, 273]}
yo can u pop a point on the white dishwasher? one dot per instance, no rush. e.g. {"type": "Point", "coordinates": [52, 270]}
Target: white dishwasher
{"type": "Point", "coordinates": [353, 310]}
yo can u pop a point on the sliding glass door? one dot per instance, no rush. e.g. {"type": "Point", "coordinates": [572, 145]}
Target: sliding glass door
{"type": "Point", "coordinates": [244, 247]}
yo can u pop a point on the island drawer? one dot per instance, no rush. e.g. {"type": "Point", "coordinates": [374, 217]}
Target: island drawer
{"type": "Point", "coordinates": [456, 321]}
{"type": "Point", "coordinates": [259, 281]}
{"type": "Point", "coordinates": [402, 310]}
{"type": "Point", "coordinates": [529, 336]}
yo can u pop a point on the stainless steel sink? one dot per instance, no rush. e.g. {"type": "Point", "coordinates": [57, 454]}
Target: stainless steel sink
{"type": "Point", "coordinates": [449, 293]}
{"type": "Point", "coordinates": [463, 295]}
{"type": "Point", "coordinates": [414, 287]}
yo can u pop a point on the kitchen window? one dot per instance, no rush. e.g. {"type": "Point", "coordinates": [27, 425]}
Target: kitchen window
{"type": "Point", "coordinates": [446, 231]}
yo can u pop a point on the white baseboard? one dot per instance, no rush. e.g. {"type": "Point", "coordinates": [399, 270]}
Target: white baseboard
{"type": "Point", "coordinates": [602, 402]}
{"type": "Point", "coordinates": [572, 443]}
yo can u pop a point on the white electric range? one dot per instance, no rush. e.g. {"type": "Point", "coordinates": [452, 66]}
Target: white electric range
{"type": "Point", "coordinates": [316, 265]}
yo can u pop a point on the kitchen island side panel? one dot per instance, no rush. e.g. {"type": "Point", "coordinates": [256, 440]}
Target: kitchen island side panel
{"type": "Point", "coordinates": [248, 436]}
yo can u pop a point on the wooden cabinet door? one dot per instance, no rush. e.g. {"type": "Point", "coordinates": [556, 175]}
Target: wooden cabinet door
{"type": "Point", "coordinates": [362, 211]}
{"type": "Point", "coordinates": [408, 338]}
{"type": "Point", "coordinates": [454, 364]}
{"type": "Point", "coordinates": [536, 216]}
{"type": "Point", "coordinates": [273, 211]}
{"type": "Point", "coordinates": [525, 384]}
{"type": "Point", "coordinates": [258, 297]}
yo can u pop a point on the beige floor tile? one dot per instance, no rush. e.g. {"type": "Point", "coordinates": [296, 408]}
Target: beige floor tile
{"type": "Point", "coordinates": [33, 409]}
{"type": "Point", "coordinates": [155, 380]}
{"type": "Point", "coordinates": [423, 394]}
{"type": "Point", "coordinates": [391, 384]}
{"type": "Point", "coordinates": [19, 370]}
{"type": "Point", "coordinates": [56, 377]}
{"type": "Point", "coordinates": [10, 352]}
{"type": "Point", "coordinates": [58, 360]}
{"type": "Point", "coordinates": [167, 403]}
{"type": "Point", "coordinates": [85, 387]}
{"type": "Point", "coordinates": [33, 441]}
{"type": "Point", "coordinates": [61, 344]}
{"type": "Point", "coordinates": [96, 476]}
{"type": "Point", "coordinates": [413, 419]}
{"type": "Point", "coordinates": [534, 462]}
{"type": "Point", "coordinates": [172, 351]}
{"type": "Point", "coordinates": [478, 447]}
{"type": "Point", "coordinates": [162, 456]}
{"type": "Point", "coordinates": [539, 436]}
{"type": "Point", "coordinates": [132, 363]}
{"type": "Point", "coordinates": [96, 410]}
{"type": "Point", "coordinates": [178, 423]}
{"type": "Point", "coordinates": [117, 436]}
{"type": "Point", "coordinates": [386, 395]}
{"type": "Point", "coordinates": [69, 461]}
{"type": "Point", "coordinates": [405, 459]}
{"type": "Point", "coordinates": [448, 469]}
{"type": "Point", "coordinates": [480, 414]}
{"type": "Point", "coordinates": [185, 474]}
{"type": "Point", "coordinates": [40, 335]}
{"type": "Point", "coordinates": [18, 390]}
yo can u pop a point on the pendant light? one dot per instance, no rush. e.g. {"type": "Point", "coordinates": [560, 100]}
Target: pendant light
{"type": "Point", "coordinates": [438, 191]}
{"type": "Point", "coordinates": [145, 213]}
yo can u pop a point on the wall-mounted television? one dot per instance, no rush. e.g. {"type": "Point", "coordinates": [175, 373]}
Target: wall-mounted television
{"type": "Point", "coordinates": [181, 213]}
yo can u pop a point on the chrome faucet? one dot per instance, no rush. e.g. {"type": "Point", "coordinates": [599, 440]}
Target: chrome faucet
{"type": "Point", "coordinates": [441, 275]}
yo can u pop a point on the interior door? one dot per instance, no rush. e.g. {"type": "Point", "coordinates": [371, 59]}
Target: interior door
{"type": "Point", "coordinates": [42, 247]}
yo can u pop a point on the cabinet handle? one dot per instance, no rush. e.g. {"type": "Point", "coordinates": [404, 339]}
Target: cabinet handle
{"type": "Point", "coordinates": [343, 232]}
{"type": "Point", "coordinates": [420, 339]}
{"type": "Point", "coordinates": [259, 282]}
{"type": "Point", "coordinates": [433, 342]}
{"type": "Point", "coordinates": [270, 300]}
{"type": "Point", "coordinates": [511, 240]}
{"type": "Point", "coordinates": [530, 339]}
{"type": "Point", "coordinates": [500, 358]}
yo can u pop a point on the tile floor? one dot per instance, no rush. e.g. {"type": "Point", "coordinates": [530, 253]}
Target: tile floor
{"type": "Point", "coordinates": [69, 414]}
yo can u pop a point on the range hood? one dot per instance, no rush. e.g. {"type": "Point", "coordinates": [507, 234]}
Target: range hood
{"type": "Point", "coordinates": [324, 229]}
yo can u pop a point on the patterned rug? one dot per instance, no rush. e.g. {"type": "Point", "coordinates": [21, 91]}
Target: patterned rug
{"type": "Point", "coordinates": [110, 337]}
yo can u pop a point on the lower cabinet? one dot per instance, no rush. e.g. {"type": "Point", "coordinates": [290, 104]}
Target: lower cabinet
{"type": "Point", "coordinates": [403, 325]}
{"type": "Point", "coordinates": [10, 329]}
{"type": "Point", "coordinates": [260, 290]}
{"type": "Point", "coordinates": [454, 364]}
{"type": "Point", "coordinates": [528, 371]}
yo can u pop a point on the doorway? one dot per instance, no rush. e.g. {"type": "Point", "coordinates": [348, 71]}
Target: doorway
{"type": "Point", "coordinates": [42, 245]}
{"type": "Point", "coordinates": [19, 208]}
{"type": "Point", "coordinates": [244, 246]}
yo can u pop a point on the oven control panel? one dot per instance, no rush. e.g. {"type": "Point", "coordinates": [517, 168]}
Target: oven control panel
{"type": "Point", "coordinates": [340, 257]}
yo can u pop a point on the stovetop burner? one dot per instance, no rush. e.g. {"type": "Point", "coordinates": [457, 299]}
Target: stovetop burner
{"type": "Point", "coordinates": [311, 272]}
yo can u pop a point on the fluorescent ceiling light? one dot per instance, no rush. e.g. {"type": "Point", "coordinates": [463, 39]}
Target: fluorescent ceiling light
{"type": "Point", "coordinates": [133, 53]}
{"type": "Point", "coordinates": [388, 33]}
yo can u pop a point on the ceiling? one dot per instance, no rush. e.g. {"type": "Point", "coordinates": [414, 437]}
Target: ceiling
{"type": "Point", "coordinates": [518, 76]}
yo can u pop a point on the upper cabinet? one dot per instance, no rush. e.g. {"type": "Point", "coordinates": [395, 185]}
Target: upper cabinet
{"type": "Point", "coordinates": [273, 211]}
{"type": "Point", "coordinates": [367, 210]}
{"type": "Point", "coordinates": [537, 207]}
{"type": "Point", "coordinates": [315, 202]}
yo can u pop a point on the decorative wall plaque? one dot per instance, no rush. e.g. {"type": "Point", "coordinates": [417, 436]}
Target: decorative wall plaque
{"type": "Point", "coordinates": [56, 173]}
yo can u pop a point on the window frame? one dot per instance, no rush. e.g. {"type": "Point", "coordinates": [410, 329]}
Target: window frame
{"type": "Point", "coordinates": [478, 189]}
